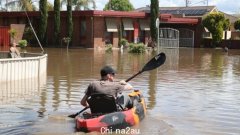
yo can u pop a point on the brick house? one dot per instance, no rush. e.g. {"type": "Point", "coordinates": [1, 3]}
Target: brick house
{"type": "Point", "coordinates": [93, 29]}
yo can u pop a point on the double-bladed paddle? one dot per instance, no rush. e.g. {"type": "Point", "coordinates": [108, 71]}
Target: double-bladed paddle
{"type": "Point", "coordinates": [155, 62]}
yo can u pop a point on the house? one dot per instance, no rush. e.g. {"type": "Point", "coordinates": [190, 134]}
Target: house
{"type": "Point", "coordinates": [197, 12]}
{"type": "Point", "coordinates": [94, 28]}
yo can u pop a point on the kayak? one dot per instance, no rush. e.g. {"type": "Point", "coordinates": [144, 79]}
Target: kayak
{"type": "Point", "coordinates": [115, 120]}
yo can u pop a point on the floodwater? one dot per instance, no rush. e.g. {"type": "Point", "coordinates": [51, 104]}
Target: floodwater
{"type": "Point", "coordinates": [196, 92]}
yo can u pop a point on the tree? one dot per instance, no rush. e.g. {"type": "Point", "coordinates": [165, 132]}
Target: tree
{"type": "Point", "coordinates": [216, 24]}
{"type": "Point", "coordinates": [43, 20]}
{"type": "Point", "coordinates": [237, 24]}
{"type": "Point", "coordinates": [49, 7]}
{"type": "Point", "coordinates": [154, 13]}
{"type": "Point", "coordinates": [119, 5]}
{"type": "Point", "coordinates": [21, 5]}
{"type": "Point", "coordinates": [81, 3]}
{"type": "Point", "coordinates": [57, 22]}
{"type": "Point", "coordinates": [69, 19]}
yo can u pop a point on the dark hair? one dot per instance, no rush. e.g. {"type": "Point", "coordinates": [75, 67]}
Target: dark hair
{"type": "Point", "coordinates": [107, 70]}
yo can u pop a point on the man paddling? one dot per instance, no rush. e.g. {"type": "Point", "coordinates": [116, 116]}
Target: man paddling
{"type": "Point", "coordinates": [106, 85]}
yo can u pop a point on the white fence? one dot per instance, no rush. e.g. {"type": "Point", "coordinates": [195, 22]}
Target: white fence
{"type": "Point", "coordinates": [29, 66]}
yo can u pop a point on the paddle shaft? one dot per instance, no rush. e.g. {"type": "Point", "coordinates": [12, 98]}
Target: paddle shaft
{"type": "Point", "coordinates": [76, 114]}
{"type": "Point", "coordinates": [130, 78]}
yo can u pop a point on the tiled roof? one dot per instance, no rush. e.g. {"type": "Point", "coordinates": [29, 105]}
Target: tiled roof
{"type": "Point", "coordinates": [187, 11]}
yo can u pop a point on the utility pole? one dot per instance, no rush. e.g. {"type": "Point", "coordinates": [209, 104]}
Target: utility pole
{"type": "Point", "coordinates": [187, 2]}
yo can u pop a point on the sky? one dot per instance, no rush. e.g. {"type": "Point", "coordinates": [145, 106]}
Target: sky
{"type": "Point", "coordinates": [227, 6]}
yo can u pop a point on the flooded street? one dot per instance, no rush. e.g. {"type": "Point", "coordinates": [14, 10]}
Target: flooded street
{"type": "Point", "coordinates": [196, 92]}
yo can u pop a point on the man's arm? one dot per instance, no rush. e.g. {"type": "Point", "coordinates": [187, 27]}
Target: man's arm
{"type": "Point", "coordinates": [84, 101]}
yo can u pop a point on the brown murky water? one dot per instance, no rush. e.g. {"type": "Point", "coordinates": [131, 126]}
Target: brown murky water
{"type": "Point", "coordinates": [197, 91]}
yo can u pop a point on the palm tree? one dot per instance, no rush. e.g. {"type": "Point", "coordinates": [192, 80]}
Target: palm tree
{"type": "Point", "coordinates": [20, 5]}
{"type": "Point", "coordinates": [24, 5]}
{"type": "Point", "coordinates": [80, 3]}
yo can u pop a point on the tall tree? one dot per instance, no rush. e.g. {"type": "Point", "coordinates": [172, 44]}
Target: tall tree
{"type": "Point", "coordinates": [77, 4]}
{"type": "Point", "coordinates": [43, 20]}
{"type": "Point", "coordinates": [216, 24]}
{"type": "Point", "coordinates": [69, 19]}
{"type": "Point", "coordinates": [21, 5]}
{"type": "Point", "coordinates": [56, 22]}
{"type": "Point", "coordinates": [154, 13]}
{"type": "Point", "coordinates": [119, 5]}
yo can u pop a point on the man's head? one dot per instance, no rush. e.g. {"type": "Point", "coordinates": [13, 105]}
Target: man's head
{"type": "Point", "coordinates": [107, 73]}
{"type": "Point", "coordinates": [13, 44]}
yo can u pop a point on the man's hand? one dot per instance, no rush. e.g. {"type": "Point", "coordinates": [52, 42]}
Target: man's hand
{"type": "Point", "coordinates": [122, 82]}
{"type": "Point", "coordinates": [127, 86]}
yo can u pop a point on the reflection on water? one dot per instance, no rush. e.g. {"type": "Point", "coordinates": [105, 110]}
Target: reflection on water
{"type": "Point", "coordinates": [196, 92]}
{"type": "Point", "coordinates": [17, 89]}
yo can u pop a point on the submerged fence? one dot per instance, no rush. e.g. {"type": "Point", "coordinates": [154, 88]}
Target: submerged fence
{"type": "Point", "coordinates": [29, 66]}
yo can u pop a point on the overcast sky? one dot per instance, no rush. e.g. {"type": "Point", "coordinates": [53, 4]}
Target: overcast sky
{"type": "Point", "coordinates": [228, 6]}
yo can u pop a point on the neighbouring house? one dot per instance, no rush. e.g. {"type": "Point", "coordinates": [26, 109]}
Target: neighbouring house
{"type": "Point", "coordinates": [199, 12]}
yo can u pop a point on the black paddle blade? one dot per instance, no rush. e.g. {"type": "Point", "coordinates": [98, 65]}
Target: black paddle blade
{"type": "Point", "coordinates": [76, 114]}
{"type": "Point", "coordinates": [72, 115]}
{"type": "Point", "coordinates": [155, 62]}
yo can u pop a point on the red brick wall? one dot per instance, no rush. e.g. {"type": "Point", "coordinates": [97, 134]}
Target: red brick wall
{"type": "Point", "coordinates": [4, 36]}
{"type": "Point", "coordinates": [98, 30]}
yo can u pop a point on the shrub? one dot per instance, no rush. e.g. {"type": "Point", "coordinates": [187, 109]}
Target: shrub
{"type": "Point", "coordinates": [237, 24]}
{"type": "Point", "coordinates": [12, 33]}
{"type": "Point", "coordinates": [137, 48]}
{"type": "Point", "coordinates": [29, 35]}
{"type": "Point", "coordinates": [22, 43]}
{"type": "Point", "coordinates": [124, 42]}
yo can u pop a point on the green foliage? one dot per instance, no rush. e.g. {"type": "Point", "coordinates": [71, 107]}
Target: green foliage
{"type": "Point", "coordinates": [119, 5]}
{"type": "Point", "coordinates": [22, 43]}
{"type": "Point", "coordinates": [237, 24]}
{"type": "Point", "coordinates": [77, 4]}
{"type": "Point", "coordinates": [226, 24]}
{"type": "Point", "coordinates": [12, 33]}
{"type": "Point", "coordinates": [137, 48]}
{"type": "Point", "coordinates": [49, 7]}
{"type": "Point", "coordinates": [124, 42]}
{"type": "Point", "coordinates": [108, 47]}
{"type": "Point", "coordinates": [154, 13]}
{"type": "Point", "coordinates": [69, 19]}
{"type": "Point", "coordinates": [57, 22]}
{"type": "Point", "coordinates": [43, 20]}
{"type": "Point", "coordinates": [216, 24]}
{"type": "Point", "coordinates": [28, 34]}
{"type": "Point", "coordinates": [23, 5]}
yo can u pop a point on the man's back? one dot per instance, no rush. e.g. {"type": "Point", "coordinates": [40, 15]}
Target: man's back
{"type": "Point", "coordinates": [104, 87]}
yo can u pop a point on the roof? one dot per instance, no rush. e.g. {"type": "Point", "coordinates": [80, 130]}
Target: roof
{"type": "Point", "coordinates": [187, 11]}
{"type": "Point", "coordinates": [169, 18]}
{"type": "Point", "coordinates": [99, 13]}
{"type": "Point", "coordinates": [231, 18]}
